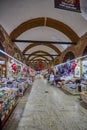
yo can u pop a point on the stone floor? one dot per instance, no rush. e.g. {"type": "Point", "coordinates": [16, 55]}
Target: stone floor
{"type": "Point", "coordinates": [48, 108]}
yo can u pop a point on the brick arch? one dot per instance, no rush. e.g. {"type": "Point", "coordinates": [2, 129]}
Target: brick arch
{"type": "Point", "coordinates": [48, 45]}
{"type": "Point", "coordinates": [85, 51]}
{"type": "Point", "coordinates": [40, 58]}
{"type": "Point", "coordinates": [43, 52]}
{"type": "Point", "coordinates": [2, 39]}
{"type": "Point", "coordinates": [42, 21]}
{"type": "Point", "coordinates": [69, 55]}
{"type": "Point", "coordinates": [82, 49]}
{"type": "Point", "coordinates": [2, 48]}
{"type": "Point", "coordinates": [70, 49]}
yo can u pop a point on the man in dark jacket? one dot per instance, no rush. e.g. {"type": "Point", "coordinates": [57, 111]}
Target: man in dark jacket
{"type": "Point", "coordinates": [57, 78]}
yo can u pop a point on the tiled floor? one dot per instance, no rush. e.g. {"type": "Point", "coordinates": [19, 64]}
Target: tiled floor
{"type": "Point", "coordinates": [48, 108]}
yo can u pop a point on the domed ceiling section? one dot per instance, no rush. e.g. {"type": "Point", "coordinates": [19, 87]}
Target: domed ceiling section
{"type": "Point", "coordinates": [43, 33]}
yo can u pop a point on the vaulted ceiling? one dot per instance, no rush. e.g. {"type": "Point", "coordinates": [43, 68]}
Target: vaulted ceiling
{"type": "Point", "coordinates": [40, 21]}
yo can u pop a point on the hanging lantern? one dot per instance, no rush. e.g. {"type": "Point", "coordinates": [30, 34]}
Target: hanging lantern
{"type": "Point", "coordinates": [14, 67]}
{"type": "Point", "coordinates": [40, 65]}
{"type": "Point", "coordinates": [24, 69]}
{"type": "Point", "coordinates": [74, 65]}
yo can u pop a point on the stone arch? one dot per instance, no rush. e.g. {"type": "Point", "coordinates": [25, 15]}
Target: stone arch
{"type": "Point", "coordinates": [69, 55]}
{"type": "Point", "coordinates": [41, 52]}
{"type": "Point", "coordinates": [2, 48]}
{"type": "Point", "coordinates": [42, 21]}
{"type": "Point", "coordinates": [85, 51]}
{"type": "Point", "coordinates": [39, 58]}
{"type": "Point", "coordinates": [50, 46]}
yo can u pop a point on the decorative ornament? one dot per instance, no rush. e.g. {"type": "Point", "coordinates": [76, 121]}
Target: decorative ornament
{"type": "Point", "coordinates": [14, 67]}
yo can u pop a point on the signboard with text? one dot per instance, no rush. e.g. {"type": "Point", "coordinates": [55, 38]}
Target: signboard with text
{"type": "Point", "coordinates": [72, 5]}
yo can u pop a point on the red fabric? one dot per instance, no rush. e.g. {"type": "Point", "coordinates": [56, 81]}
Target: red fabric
{"type": "Point", "coordinates": [40, 65]}
{"type": "Point", "coordinates": [25, 69]}
{"type": "Point", "coordinates": [77, 2]}
{"type": "Point", "coordinates": [14, 67]}
{"type": "Point", "coordinates": [73, 65]}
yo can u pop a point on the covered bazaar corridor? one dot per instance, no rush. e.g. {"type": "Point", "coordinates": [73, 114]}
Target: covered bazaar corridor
{"type": "Point", "coordinates": [47, 37]}
{"type": "Point", "coordinates": [47, 108]}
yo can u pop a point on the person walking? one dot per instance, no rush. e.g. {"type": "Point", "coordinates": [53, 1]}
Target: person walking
{"type": "Point", "coordinates": [52, 78]}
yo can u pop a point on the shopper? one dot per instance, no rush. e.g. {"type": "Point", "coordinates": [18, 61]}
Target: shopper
{"type": "Point", "coordinates": [52, 78]}
{"type": "Point", "coordinates": [56, 78]}
{"type": "Point", "coordinates": [48, 77]}
{"type": "Point", "coordinates": [78, 83]}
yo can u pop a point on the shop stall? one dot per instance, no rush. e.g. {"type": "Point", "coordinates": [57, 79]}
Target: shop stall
{"type": "Point", "coordinates": [70, 72]}
{"type": "Point", "coordinates": [14, 81]}
{"type": "Point", "coordinates": [10, 90]}
{"type": "Point", "coordinates": [84, 78]}
{"type": "Point", "coordinates": [3, 61]}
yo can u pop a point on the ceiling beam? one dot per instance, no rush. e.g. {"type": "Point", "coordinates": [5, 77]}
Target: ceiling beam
{"type": "Point", "coordinates": [38, 60]}
{"type": "Point", "coordinates": [47, 22]}
{"type": "Point", "coordinates": [39, 57]}
{"type": "Point", "coordinates": [33, 61]}
{"type": "Point", "coordinates": [42, 42]}
{"type": "Point", "coordinates": [42, 54]}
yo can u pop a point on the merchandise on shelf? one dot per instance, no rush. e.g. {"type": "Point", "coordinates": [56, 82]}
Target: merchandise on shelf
{"type": "Point", "coordinates": [10, 89]}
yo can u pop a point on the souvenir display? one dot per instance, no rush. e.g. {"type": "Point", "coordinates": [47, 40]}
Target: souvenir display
{"type": "Point", "coordinates": [10, 90]}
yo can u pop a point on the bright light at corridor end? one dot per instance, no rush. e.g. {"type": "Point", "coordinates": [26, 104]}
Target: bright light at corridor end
{"type": "Point", "coordinates": [12, 57]}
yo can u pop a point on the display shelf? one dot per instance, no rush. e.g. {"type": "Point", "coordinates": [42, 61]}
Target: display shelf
{"type": "Point", "coordinates": [8, 113]}
{"type": "Point", "coordinates": [9, 97]}
{"type": "Point", "coordinates": [70, 86]}
{"type": "Point", "coordinates": [7, 116]}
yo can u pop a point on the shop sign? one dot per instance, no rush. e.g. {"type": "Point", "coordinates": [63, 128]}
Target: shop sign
{"type": "Point", "coordinates": [72, 5]}
{"type": "Point", "coordinates": [2, 62]}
